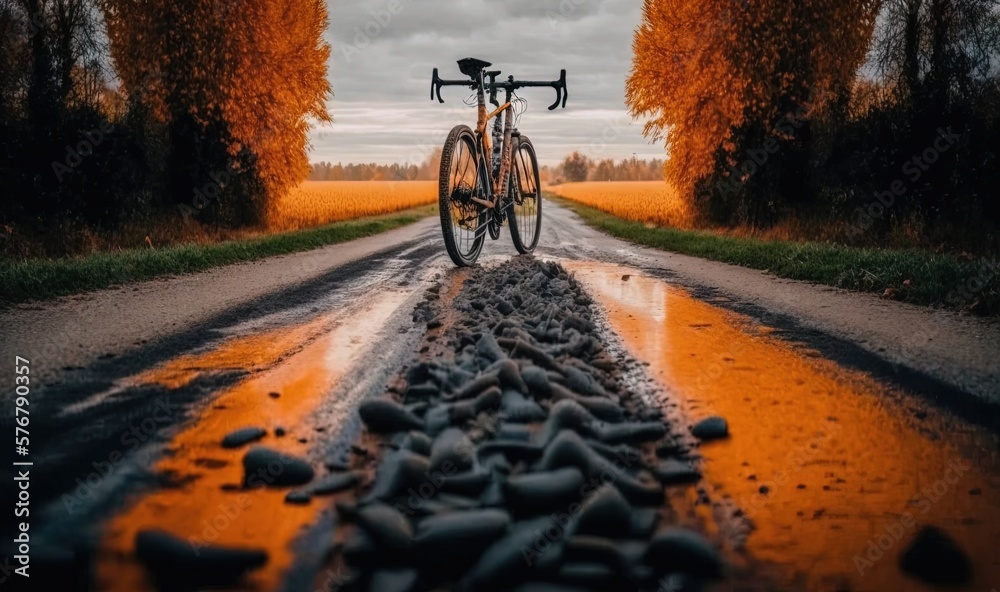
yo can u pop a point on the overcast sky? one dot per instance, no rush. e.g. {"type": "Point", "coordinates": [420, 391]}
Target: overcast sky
{"type": "Point", "coordinates": [381, 71]}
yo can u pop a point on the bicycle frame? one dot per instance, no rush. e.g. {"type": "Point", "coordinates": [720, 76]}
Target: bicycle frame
{"type": "Point", "coordinates": [497, 186]}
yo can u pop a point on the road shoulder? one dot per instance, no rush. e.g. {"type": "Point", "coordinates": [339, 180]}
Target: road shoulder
{"type": "Point", "coordinates": [75, 331]}
{"type": "Point", "coordinates": [958, 351]}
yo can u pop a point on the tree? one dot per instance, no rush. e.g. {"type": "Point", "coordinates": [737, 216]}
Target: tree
{"type": "Point", "coordinates": [52, 84]}
{"type": "Point", "coordinates": [603, 171]}
{"type": "Point", "coordinates": [430, 168]}
{"type": "Point", "coordinates": [575, 167]}
{"type": "Point", "coordinates": [933, 49]}
{"type": "Point", "coordinates": [234, 84]}
{"type": "Point", "coordinates": [939, 60]}
{"type": "Point", "coordinates": [58, 45]}
{"type": "Point", "coordinates": [719, 79]}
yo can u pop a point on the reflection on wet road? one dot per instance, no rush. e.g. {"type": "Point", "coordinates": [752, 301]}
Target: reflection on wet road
{"type": "Point", "coordinates": [295, 369]}
{"type": "Point", "coordinates": [835, 477]}
{"type": "Point", "coordinates": [827, 468]}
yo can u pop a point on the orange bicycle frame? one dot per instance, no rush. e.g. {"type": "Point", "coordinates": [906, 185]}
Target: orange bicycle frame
{"type": "Point", "coordinates": [486, 140]}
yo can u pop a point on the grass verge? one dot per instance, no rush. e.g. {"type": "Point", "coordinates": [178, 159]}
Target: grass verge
{"type": "Point", "coordinates": [42, 279]}
{"type": "Point", "coordinates": [913, 276]}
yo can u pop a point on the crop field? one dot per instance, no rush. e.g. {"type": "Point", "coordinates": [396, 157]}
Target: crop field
{"type": "Point", "coordinates": [651, 202]}
{"type": "Point", "coordinates": [315, 203]}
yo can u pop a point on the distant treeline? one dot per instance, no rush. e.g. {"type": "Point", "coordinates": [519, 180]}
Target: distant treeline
{"type": "Point", "coordinates": [427, 170]}
{"type": "Point", "coordinates": [577, 167]}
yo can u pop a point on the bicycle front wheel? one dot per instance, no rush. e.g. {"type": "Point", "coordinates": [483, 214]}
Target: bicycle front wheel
{"type": "Point", "coordinates": [463, 221]}
{"type": "Point", "coordinates": [525, 219]}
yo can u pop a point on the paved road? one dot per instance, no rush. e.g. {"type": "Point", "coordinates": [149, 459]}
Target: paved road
{"type": "Point", "coordinates": [166, 352]}
{"type": "Point", "coordinates": [957, 353]}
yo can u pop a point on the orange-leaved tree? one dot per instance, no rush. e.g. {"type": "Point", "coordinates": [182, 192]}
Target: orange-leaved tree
{"type": "Point", "coordinates": [728, 85]}
{"type": "Point", "coordinates": [234, 84]}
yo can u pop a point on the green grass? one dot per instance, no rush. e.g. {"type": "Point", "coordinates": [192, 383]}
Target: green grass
{"type": "Point", "coordinates": [933, 279]}
{"type": "Point", "coordinates": [41, 279]}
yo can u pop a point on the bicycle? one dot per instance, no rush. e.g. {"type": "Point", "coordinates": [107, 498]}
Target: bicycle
{"type": "Point", "coordinates": [475, 194]}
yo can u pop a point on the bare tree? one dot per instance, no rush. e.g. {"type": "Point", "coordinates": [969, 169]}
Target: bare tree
{"type": "Point", "coordinates": [933, 50]}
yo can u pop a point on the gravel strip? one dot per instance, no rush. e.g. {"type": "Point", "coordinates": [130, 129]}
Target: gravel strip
{"type": "Point", "coordinates": [516, 459]}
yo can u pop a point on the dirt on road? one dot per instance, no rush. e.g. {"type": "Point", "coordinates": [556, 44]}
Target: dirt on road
{"type": "Point", "coordinates": [847, 413]}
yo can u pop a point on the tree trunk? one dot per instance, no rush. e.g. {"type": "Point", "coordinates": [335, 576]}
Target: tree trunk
{"type": "Point", "coordinates": [41, 94]}
{"type": "Point", "coordinates": [940, 76]}
{"type": "Point", "coordinates": [911, 49]}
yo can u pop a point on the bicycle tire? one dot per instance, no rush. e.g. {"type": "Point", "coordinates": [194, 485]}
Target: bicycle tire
{"type": "Point", "coordinates": [465, 248]}
{"type": "Point", "coordinates": [525, 217]}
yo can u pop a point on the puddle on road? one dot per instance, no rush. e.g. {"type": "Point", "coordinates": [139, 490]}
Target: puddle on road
{"type": "Point", "coordinates": [843, 466]}
{"type": "Point", "coordinates": [202, 504]}
{"type": "Point", "coordinates": [249, 353]}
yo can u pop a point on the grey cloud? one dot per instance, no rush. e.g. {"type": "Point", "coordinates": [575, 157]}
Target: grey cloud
{"type": "Point", "coordinates": [551, 9]}
{"type": "Point", "coordinates": [381, 106]}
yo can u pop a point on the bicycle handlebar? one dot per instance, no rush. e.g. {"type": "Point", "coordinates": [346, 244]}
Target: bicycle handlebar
{"type": "Point", "coordinates": [510, 84]}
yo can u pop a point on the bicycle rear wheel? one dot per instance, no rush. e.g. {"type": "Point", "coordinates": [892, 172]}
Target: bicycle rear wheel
{"type": "Point", "coordinates": [463, 221]}
{"type": "Point", "coordinates": [525, 219]}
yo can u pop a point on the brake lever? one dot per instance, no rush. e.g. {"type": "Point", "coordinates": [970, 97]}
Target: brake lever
{"type": "Point", "coordinates": [561, 93]}
{"type": "Point", "coordinates": [558, 98]}
{"type": "Point", "coordinates": [562, 77]}
{"type": "Point", "coordinates": [436, 85]}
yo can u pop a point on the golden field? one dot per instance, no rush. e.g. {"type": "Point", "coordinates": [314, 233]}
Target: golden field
{"type": "Point", "coordinates": [653, 202]}
{"type": "Point", "coordinates": [315, 203]}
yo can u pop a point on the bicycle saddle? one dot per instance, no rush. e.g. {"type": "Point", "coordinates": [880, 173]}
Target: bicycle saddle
{"type": "Point", "coordinates": [471, 67]}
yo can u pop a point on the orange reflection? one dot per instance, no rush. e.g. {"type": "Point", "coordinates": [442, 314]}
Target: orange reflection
{"type": "Point", "coordinates": [202, 505]}
{"type": "Point", "coordinates": [249, 353]}
{"type": "Point", "coordinates": [822, 462]}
